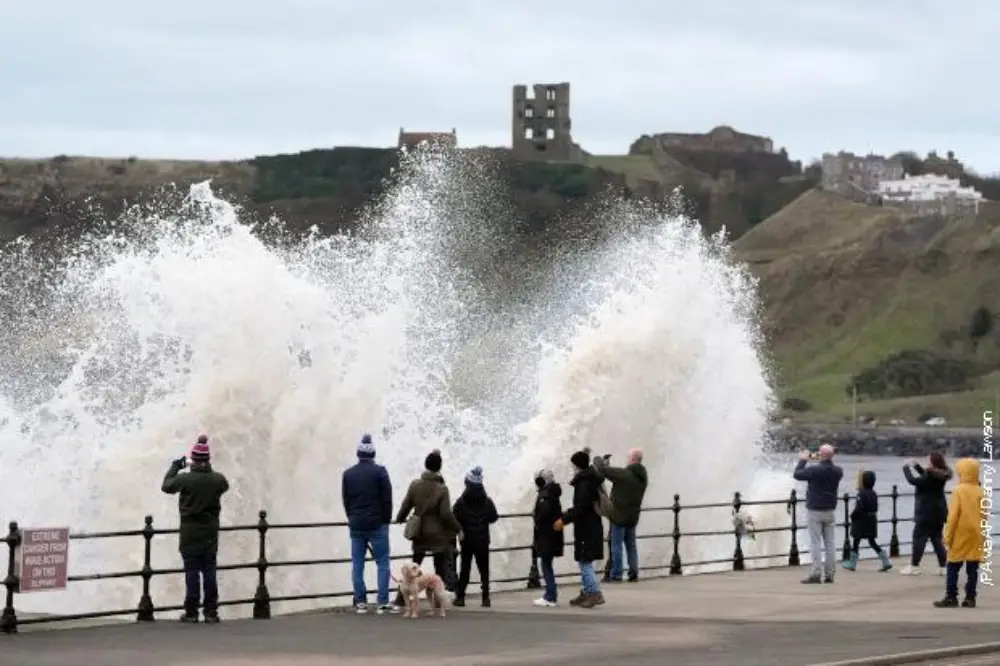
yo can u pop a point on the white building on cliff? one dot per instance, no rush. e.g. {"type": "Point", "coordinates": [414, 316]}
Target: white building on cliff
{"type": "Point", "coordinates": [930, 194]}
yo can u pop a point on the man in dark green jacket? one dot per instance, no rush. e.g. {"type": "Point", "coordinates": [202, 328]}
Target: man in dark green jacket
{"type": "Point", "coordinates": [628, 487]}
{"type": "Point", "coordinates": [201, 490]}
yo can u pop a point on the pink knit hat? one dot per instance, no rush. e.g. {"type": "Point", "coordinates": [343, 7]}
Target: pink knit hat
{"type": "Point", "coordinates": [200, 451]}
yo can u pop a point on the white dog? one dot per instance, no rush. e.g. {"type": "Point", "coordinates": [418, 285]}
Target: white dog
{"type": "Point", "coordinates": [413, 581]}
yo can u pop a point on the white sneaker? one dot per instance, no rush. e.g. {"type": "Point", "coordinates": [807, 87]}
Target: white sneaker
{"type": "Point", "coordinates": [361, 608]}
{"type": "Point", "coordinates": [387, 609]}
{"type": "Point", "coordinates": [544, 603]}
{"type": "Point", "coordinates": [910, 570]}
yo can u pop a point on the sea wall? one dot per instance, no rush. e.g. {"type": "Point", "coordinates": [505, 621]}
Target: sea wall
{"type": "Point", "coordinates": [902, 441]}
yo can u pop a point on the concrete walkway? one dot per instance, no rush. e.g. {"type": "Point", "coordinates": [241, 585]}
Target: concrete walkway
{"type": "Point", "coordinates": [764, 618]}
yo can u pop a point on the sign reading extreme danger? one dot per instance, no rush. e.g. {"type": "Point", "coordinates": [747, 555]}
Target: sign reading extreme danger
{"type": "Point", "coordinates": [43, 561]}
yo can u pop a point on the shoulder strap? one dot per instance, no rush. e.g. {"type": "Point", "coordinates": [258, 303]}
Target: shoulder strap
{"type": "Point", "coordinates": [434, 499]}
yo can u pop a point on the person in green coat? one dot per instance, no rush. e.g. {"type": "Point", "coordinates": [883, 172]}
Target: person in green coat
{"type": "Point", "coordinates": [628, 488]}
{"type": "Point", "coordinates": [201, 490]}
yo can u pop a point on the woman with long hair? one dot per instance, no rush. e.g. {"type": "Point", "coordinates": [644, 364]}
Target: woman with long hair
{"type": "Point", "coordinates": [930, 509]}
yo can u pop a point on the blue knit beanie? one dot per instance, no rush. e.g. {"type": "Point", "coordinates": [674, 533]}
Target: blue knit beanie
{"type": "Point", "coordinates": [366, 449]}
{"type": "Point", "coordinates": [475, 476]}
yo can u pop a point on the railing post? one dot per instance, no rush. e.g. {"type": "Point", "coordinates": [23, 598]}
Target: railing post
{"type": "Point", "coordinates": [145, 611]}
{"type": "Point", "coordinates": [262, 598]}
{"type": "Point", "coordinates": [675, 559]}
{"type": "Point", "coordinates": [793, 551]}
{"type": "Point", "coordinates": [847, 527]}
{"type": "Point", "coordinates": [534, 579]}
{"type": "Point", "coordinates": [8, 621]}
{"type": "Point", "coordinates": [894, 539]}
{"type": "Point", "coordinates": [738, 564]}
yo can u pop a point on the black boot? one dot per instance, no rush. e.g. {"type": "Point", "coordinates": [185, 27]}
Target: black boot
{"type": "Point", "coordinates": [459, 601]}
{"type": "Point", "coordinates": [947, 602]}
{"type": "Point", "coordinates": [969, 602]}
{"type": "Point", "coordinates": [486, 600]}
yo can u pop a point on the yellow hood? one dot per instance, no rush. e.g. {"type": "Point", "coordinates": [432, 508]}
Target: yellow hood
{"type": "Point", "coordinates": [967, 470]}
{"type": "Point", "coordinates": [963, 532]}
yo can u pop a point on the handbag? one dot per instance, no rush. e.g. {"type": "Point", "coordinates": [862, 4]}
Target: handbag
{"type": "Point", "coordinates": [603, 504]}
{"type": "Point", "coordinates": [414, 524]}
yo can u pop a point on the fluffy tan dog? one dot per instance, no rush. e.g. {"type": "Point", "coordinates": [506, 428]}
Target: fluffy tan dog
{"type": "Point", "coordinates": [413, 581]}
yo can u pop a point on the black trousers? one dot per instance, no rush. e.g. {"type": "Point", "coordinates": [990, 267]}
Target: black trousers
{"type": "Point", "coordinates": [200, 572]}
{"type": "Point", "coordinates": [443, 566]}
{"type": "Point", "coordinates": [921, 535]}
{"type": "Point", "coordinates": [482, 557]}
{"type": "Point", "coordinates": [871, 544]}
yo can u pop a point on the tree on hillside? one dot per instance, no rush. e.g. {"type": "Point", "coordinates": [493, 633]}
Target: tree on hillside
{"type": "Point", "coordinates": [981, 324]}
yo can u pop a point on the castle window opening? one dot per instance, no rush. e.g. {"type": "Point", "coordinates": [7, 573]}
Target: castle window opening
{"type": "Point", "coordinates": [550, 112]}
{"type": "Point", "coordinates": [550, 134]}
{"type": "Point", "coordinates": [529, 133]}
{"type": "Point", "coordinates": [529, 112]}
{"type": "Point", "coordinates": [529, 93]}
{"type": "Point", "coordinates": [550, 94]}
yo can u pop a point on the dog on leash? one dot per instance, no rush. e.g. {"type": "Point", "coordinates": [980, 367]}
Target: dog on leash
{"type": "Point", "coordinates": [413, 582]}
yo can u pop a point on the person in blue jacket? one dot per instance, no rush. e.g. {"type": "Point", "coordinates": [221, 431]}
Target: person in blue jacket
{"type": "Point", "coordinates": [367, 494]}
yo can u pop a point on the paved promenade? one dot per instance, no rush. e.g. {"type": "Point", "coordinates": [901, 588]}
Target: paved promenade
{"type": "Point", "coordinates": [764, 618]}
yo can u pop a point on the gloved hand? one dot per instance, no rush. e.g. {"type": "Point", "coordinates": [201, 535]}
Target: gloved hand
{"type": "Point", "coordinates": [180, 463]}
{"type": "Point", "coordinates": [558, 525]}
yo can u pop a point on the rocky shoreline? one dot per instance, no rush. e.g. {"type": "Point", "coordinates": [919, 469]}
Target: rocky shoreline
{"type": "Point", "coordinates": [881, 441]}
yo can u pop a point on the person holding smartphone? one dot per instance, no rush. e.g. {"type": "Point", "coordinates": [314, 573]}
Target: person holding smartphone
{"type": "Point", "coordinates": [200, 493]}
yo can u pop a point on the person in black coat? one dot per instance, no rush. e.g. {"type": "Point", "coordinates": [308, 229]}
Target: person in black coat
{"type": "Point", "coordinates": [930, 509]}
{"type": "Point", "coordinates": [548, 542]}
{"type": "Point", "coordinates": [864, 521]}
{"type": "Point", "coordinates": [475, 512]}
{"type": "Point", "coordinates": [588, 531]}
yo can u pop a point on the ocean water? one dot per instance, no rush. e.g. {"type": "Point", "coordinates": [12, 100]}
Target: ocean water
{"type": "Point", "coordinates": [118, 349]}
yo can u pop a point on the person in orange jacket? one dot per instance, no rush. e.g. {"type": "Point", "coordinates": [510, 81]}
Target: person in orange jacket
{"type": "Point", "coordinates": [963, 535]}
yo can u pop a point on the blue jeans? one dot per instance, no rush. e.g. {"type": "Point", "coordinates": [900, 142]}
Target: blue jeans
{"type": "Point", "coordinates": [623, 537]}
{"type": "Point", "coordinates": [549, 576]}
{"type": "Point", "coordinates": [378, 540]}
{"type": "Point", "coordinates": [199, 571]}
{"type": "Point", "coordinates": [589, 578]}
{"type": "Point", "coordinates": [971, 578]}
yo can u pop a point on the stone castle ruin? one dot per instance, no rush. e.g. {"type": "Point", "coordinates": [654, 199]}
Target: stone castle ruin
{"type": "Point", "coordinates": [541, 125]}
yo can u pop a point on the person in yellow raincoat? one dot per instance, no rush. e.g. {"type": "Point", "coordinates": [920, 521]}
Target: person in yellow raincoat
{"type": "Point", "coordinates": [963, 535]}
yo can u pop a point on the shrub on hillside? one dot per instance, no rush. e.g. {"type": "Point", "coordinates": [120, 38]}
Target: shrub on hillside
{"type": "Point", "coordinates": [796, 405]}
{"type": "Point", "coordinates": [981, 324]}
{"type": "Point", "coordinates": [913, 372]}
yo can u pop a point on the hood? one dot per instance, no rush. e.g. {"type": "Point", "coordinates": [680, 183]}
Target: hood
{"type": "Point", "coordinates": [589, 473]}
{"type": "Point", "coordinates": [867, 479]}
{"type": "Point", "coordinates": [944, 474]}
{"type": "Point", "coordinates": [431, 476]}
{"type": "Point", "coordinates": [553, 490]}
{"type": "Point", "coordinates": [640, 471]}
{"type": "Point", "coordinates": [968, 470]}
{"type": "Point", "coordinates": [474, 492]}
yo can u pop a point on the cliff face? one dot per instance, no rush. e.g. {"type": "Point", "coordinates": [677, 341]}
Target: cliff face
{"type": "Point", "coordinates": [325, 188]}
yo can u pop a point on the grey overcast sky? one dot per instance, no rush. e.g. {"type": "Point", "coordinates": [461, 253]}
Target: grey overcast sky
{"type": "Point", "coordinates": [235, 78]}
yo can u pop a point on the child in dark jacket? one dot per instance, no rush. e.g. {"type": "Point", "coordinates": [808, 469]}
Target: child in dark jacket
{"type": "Point", "coordinates": [475, 512]}
{"type": "Point", "coordinates": [864, 521]}
{"type": "Point", "coordinates": [548, 542]}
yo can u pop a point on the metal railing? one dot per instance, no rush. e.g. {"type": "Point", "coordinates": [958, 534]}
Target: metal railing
{"type": "Point", "coordinates": [145, 609]}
